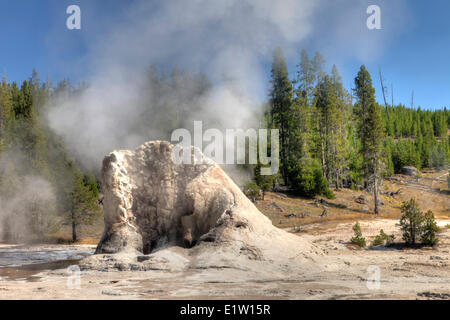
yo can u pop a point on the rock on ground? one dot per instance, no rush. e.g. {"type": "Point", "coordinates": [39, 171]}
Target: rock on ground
{"type": "Point", "coordinates": [161, 215]}
{"type": "Point", "coordinates": [410, 171]}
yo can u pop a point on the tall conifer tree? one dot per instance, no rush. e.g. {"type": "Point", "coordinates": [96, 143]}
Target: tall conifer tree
{"type": "Point", "coordinates": [370, 129]}
{"type": "Point", "coordinates": [281, 95]}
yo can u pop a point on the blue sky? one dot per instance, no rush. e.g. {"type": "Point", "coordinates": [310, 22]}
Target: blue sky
{"type": "Point", "coordinates": [413, 47]}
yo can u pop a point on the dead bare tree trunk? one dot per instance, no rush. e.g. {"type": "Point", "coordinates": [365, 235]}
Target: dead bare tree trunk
{"type": "Point", "coordinates": [74, 228]}
{"type": "Point", "coordinates": [375, 187]}
{"type": "Point", "coordinates": [392, 94]}
{"type": "Point", "coordinates": [322, 149]}
{"type": "Point", "coordinates": [383, 89]}
{"type": "Point", "coordinates": [337, 179]}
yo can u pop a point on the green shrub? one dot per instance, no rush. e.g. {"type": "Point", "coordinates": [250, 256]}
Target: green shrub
{"type": "Point", "coordinates": [411, 222]}
{"type": "Point", "coordinates": [358, 239]}
{"type": "Point", "coordinates": [418, 225]}
{"type": "Point", "coordinates": [330, 194]}
{"type": "Point", "coordinates": [383, 239]}
{"type": "Point", "coordinates": [265, 183]}
{"type": "Point", "coordinates": [437, 159]}
{"type": "Point", "coordinates": [306, 179]}
{"type": "Point", "coordinates": [405, 154]}
{"type": "Point", "coordinates": [302, 178]}
{"type": "Point", "coordinates": [430, 228]}
{"type": "Point", "coordinates": [252, 191]}
{"type": "Point", "coordinates": [355, 172]}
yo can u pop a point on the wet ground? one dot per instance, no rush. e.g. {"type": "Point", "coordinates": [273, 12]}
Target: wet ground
{"type": "Point", "coordinates": [23, 263]}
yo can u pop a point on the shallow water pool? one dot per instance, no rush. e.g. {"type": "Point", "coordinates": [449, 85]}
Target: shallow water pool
{"type": "Point", "coordinates": [24, 262]}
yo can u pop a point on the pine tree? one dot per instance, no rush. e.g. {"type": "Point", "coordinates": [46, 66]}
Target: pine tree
{"type": "Point", "coordinates": [318, 63]}
{"type": "Point", "coordinates": [299, 132]}
{"type": "Point", "coordinates": [430, 229]}
{"type": "Point", "coordinates": [281, 95]}
{"type": "Point", "coordinates": [358, 238]}
{"type": "Point", "coordinates": [326, 112]}
{"type": "Point", "coordinates": [84, 202]}
{"type": "Point", "coordinates": [300, 120]}
{"type": "Point", "coordinates": [332, 107]}
{"type": "Point", "coordinates": [265, 182]}
{"type": "Point", "coordinates": [411, 222]}
{"type": "Point", "coordinates": [370, 129]}
{"type": "Point", "coordinates": [6, 116]}
{"type": "Point", "coordinates": [305, 77]}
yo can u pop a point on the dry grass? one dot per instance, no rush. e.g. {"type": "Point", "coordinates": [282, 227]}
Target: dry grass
{"type": "Point", "coordinates": [87, 234]}
{"type": "Point", "coordinates": [430, 190]}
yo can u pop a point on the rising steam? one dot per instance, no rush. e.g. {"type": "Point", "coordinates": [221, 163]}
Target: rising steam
{"type": "Point", "coordinates": [231, 41]}
{"type": "Point", "coordinates": [27, 202]}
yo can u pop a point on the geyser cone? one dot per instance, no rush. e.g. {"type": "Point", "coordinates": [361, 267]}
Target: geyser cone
{"type": "Point", "coordinates": [194, 210]}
